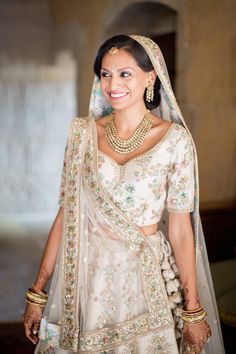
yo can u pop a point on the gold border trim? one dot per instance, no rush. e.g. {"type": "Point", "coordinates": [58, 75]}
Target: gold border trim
{"type": "Point", "coordinates": [70, 326]}
{"type": "Point", "coordinates": [154, 288]}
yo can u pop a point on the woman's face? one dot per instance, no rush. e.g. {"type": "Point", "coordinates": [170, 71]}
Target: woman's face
{"type": "Point", "coordinates": [123, 82]}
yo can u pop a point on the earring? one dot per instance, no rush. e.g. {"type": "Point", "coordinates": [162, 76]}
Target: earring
{"type": "Point", "coordinates": [150, 93]}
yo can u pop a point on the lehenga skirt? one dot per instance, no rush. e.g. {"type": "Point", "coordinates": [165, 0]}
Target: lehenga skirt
{"type": "Point", "coordinates": [111, 291]}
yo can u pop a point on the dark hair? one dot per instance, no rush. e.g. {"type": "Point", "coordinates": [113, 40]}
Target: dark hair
{"type": "Point", "coordinates": [138, 52]}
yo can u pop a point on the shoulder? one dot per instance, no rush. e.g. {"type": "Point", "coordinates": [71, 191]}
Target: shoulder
{"type": "Point", "coordinates": [183, 142]}
{"type": "Point", "coordinates": [102, 120]}
{"type": "Point", "coordinates": [182, 134]}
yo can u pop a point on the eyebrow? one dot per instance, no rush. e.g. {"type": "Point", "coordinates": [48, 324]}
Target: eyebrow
{"type": "Point", "coordinates": [121, 69]}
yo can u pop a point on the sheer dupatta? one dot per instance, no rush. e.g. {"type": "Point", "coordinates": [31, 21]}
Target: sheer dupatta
{"type": "Point", "coordinates": [96, 234]}
{"type": "Point", "coordinates": [170, 111]}
{"type": "Point", "coordinates": [107, 287]}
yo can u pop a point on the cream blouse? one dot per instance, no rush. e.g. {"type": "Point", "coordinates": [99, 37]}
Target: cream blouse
{"type": "Point", "coordinates": [163, 177]}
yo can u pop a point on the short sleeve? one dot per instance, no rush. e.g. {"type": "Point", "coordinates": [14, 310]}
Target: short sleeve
{"type": "Point", "coordinates": [63, 179]}
{"type": "Point", "coordinates": [181, 180]}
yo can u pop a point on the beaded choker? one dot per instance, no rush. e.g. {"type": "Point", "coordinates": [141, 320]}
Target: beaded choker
{"type": "Point", "coordinates": [125, 146]}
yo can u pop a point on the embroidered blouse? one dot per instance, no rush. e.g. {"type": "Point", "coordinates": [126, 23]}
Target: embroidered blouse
{"type": "Point", "coordinates": [162, 177]}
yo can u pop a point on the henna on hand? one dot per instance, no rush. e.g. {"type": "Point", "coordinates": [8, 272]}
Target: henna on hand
{"type": "Point", "coordinates": [42, 278]}
{"type": "Point", "coordinates": [190, 302]}
{"type": "Point", "coordinates": [195, 336]}
{"type": "Point", "coordinates": [32, 318]}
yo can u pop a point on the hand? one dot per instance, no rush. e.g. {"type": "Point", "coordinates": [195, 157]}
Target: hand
{"type": "Point", "coordinates": [32, 318]}
{"type": "Point", "coordinates": [195, 336]}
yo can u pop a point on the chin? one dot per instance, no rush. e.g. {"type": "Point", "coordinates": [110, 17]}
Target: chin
{"type": "Point", "coordinates": [120, 105]}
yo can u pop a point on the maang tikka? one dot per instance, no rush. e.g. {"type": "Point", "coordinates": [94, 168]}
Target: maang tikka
{"type": "Point", "coordinates": [113, 50]}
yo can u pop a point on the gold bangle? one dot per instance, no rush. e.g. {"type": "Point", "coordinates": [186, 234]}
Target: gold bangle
{"type": "Point", "coordinates": [193, 311]}
{"type": "Point", "coordinates": [191, 324]}
{"type": "Point", "coordinates": [40, 292]}
{"type": "Point", "coordinates": [36, 300]}
{"type": "Point", "coordinates": [35, 297]}
{"type": "Point", "coordinates": [193, 314]}
{"type": "Point", "coordinates": [33, 303]}
{"type": "Point", "coordinates": [194, 319]}
{"type": "Point", "coordinates": [33, 293]}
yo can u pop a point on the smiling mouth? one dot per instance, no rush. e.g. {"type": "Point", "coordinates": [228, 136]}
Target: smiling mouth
{"type": "Point", "coordinates": [118, 95]}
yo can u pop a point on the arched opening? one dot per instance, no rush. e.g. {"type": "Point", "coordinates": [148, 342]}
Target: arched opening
{"type": "Point", "coordinates": [154, 20]}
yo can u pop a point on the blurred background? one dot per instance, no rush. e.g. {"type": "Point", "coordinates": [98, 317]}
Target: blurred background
{"type": "Point", "coordinates": [47, 48]}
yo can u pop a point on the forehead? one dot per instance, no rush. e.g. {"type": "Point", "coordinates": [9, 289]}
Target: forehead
{"type": "Point", "coordinates": [120, 59]}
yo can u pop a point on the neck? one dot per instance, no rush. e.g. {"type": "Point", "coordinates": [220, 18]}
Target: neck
{"type": "Point", "coordinates": [127, 120]}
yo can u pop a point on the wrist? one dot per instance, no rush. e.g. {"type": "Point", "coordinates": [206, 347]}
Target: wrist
{"type": "Point", "coordinates": [192, 305]}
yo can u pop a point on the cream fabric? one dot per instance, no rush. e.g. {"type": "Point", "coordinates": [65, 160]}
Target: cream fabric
{"type": "Point", "coordinates": [93, 223]}
{"type": "Point", "coordinates": [161, 177]}
{"type": "Point", "coordinates": [170, 111]}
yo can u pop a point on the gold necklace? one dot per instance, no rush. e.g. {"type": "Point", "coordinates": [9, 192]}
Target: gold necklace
{"type": "Point", "coordinates": [125, 146]}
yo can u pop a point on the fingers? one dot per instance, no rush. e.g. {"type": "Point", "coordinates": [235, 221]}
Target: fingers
{"type": "Point", "coordinates": [31, 329]}
{"type": "Point", "coordinates": [35, 328]}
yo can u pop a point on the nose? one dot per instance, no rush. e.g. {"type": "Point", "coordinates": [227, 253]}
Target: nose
{"type": "Point", "coordinates": [115, 82]}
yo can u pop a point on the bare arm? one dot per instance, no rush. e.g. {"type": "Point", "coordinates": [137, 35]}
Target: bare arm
{"type": "Point", "coordinates": [33, 313]}
{"type": "Point", "coordinates": [50, 252]}
{"type": "Point", "coordinates": [182, 240]}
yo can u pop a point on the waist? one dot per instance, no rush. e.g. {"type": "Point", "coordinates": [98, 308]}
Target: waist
{"type": "Point", "coordinates": [149, 230]}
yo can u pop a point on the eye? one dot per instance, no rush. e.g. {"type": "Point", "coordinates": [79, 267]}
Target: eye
{"type": "Point", "coordinates": [105, 74]}
{"type": "Point", "coordinates": [125, 74]}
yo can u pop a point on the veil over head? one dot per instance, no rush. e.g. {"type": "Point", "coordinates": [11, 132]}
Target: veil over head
{"type": "Point", "coordinates": [169, 110]}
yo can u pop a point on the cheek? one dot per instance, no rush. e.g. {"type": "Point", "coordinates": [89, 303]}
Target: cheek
{"type": "Point", "coordinates": [103, 85]}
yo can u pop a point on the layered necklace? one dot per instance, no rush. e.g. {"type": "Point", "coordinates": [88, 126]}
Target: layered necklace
{"type": "Point", "coordinates": [125, 146]}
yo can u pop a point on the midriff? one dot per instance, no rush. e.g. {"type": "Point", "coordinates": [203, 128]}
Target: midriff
{"type": "Point", "coordinates": [148, 230]}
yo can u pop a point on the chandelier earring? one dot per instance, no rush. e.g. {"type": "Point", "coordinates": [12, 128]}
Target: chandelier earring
{"type": "Point", "coordinates": [150, 93]}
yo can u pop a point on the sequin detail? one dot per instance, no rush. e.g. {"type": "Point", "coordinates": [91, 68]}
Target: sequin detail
{"type": "Point", "coordinates": [154, 289]}
{"type": "Point", "coordinates": [159, 345]}
{"type": "Point", "coordinates": [70, 327]}
{"type": "Point", "coordinates": [117, 334]}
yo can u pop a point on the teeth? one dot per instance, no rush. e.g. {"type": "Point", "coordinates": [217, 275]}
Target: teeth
{"type": "Point", "coordinates": [116, 95]}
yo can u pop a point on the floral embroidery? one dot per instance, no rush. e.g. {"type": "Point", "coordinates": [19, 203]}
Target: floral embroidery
{"type": "Point", "coordinates": [159, 345]}
{"type": "Point", "coordinates": [181, 176]}
{"type": "Point", "coordinates": [73, 159]}
{"type": "Point", "coordinates": [115, 335]}
{"type": "Point", "coordinates": [159, 314]}
{"type": "Point", "coordinates": [141, 193]}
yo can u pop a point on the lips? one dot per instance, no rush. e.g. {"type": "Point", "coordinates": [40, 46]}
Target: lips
{"type": "Point", "coordinates": [119, 95]}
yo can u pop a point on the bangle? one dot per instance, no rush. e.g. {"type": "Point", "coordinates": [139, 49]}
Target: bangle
{"type": "Point", "coordinates": [191, 324]}
{"type": "Point", "coordinates": [36, 298]}
{"type": "Point", "coordinates": [33, 303]}
{"type": "Point", "coordinates": [193, 316]}
{"type": "Point", "coordinates": [193, 311]}
{"type": "Point", "coordinates": [38, 291]}
{"type": "Point", "coordinates": [194, 319]}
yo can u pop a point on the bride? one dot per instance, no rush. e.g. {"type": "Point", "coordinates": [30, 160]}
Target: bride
{"type": "Point", "coordinates": [126, 252]}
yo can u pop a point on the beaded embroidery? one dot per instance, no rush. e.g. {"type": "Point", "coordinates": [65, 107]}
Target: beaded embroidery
{"type": "Point", "coordinates": [155, 294]}
{"type": "Point", "coordinates": [74, 153]}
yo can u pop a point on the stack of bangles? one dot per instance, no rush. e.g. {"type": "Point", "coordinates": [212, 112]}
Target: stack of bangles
{"type": "Point", "coordinates": [193, 316]}
{"type": "Point", "coordinates": [36, 297]}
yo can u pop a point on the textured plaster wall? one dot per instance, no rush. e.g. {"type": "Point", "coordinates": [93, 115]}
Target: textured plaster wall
{"type": "Point", "coordinates": [207, 56]}
{"type": "Point", "coordinates": [37, 100]}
